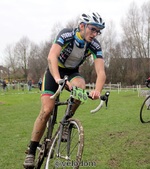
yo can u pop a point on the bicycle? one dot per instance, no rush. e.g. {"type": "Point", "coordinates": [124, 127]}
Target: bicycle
{"type": "Point", "coordinates": [145, 108]}
{"type": "Point", "coordinates": [68, 153]}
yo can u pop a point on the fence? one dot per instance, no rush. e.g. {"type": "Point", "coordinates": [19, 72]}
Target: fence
{"type": "Point", "coordinates": [90, 86]}
{"type": "Point", "coordinates": [18, 86]}
{"type": "Point", "coordinates": [138, 88]}
{"type": "Point", "coordinates": [109, 86]}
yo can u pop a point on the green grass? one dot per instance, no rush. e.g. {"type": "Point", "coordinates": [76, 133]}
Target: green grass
{"type": "Point", "coordinates": [114, 137]}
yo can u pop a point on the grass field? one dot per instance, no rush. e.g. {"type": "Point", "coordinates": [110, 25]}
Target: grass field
{"type": "Point", "coordinates": [114, 137]}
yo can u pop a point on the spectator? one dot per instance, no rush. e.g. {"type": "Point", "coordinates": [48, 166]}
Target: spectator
{"type": "Point", "coordinates": [4, 85]}
{"type": "Point", "coordinates": [29, 85]}
{"type": "Point", "coordinates": [40, 83]}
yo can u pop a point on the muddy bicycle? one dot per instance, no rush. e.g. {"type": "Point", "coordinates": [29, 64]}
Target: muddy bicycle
{"type": "Point", "coordinates": [53, 152]}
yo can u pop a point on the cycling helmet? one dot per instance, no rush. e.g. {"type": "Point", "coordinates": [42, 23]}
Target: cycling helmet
{"type": "Point", "coordinates": [93, 18]}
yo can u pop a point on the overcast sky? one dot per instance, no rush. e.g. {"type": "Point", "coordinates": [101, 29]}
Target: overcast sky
{"type": "Point", "coordinates": [36, 18]}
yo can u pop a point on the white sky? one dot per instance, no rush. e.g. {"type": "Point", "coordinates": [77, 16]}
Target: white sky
{"type": "Point", "coordinates": [36, 18]}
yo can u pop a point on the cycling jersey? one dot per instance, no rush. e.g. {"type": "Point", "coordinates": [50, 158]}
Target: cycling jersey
{"type": "Point", "coordinates": [71, 55]}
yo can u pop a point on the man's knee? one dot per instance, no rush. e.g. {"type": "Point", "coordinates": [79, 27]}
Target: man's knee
{"type": "Point", "coordinates": [78, 82]}
{"type": "Point", "coordinates": [45, 113]}
{"type": "Point", "coordinates": [46, 108]}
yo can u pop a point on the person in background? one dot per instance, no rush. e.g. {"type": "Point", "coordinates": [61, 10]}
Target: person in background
{"type": "Point", "coordinates": [70, 49]}
{"type": "Point", "coordinates": [30, 85]}
{"type": "Point", "coordinates": [40, 83]}
{"type": "Point", "coordinates": [4, 85]}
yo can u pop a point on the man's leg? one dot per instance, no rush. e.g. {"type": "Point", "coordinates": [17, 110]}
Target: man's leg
{"type": "Point", "coordinates": [78, 82]}
{"type": "Point", "coordinates": [39, 128]}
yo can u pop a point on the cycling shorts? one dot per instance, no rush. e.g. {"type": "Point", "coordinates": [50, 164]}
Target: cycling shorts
{"type": "Point", "coordinates": [49, 86]}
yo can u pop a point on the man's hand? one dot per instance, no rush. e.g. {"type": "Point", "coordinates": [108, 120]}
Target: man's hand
{"type": "Point", "coordinates": [95, 94]}
{"type": "Point", "coordinates": [69, 86]}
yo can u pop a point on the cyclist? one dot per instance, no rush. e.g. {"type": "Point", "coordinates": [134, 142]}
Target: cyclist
{"type": "Point", "coordinates": [71, 47]}
{"type": "Point", "coordinates": [147, 82]}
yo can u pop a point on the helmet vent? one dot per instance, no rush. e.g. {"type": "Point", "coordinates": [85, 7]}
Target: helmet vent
{"type": "Point", "coordinates": [85, 17]}
{"type": "Point", "coordinates": [95, 19]}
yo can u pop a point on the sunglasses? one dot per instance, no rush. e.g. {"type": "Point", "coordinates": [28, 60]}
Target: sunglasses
{"type": "Point", "coordinates": [94, 30]}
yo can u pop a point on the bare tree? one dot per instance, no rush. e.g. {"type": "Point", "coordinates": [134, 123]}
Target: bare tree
{"type": "Point", "coordinates": [38, 60]}
{"type": "Point", "coordinates": [108, 41]}
{"type": "Point", "coordinates": [134, 41]}
{"type": "Point", "coordinates": [146, 26]}
{"type": "Point", "coordinates": [34, 71]}
{"type": "Point", "coordinates": [11, 61]}
{"type": "Point", "coordinates": [22, 52]}
{"type": "Point", "coordinates": [54, 31]}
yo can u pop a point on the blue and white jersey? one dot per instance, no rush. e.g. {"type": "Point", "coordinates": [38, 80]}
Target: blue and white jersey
{"type": "Point", "coordinates": [71, 55]}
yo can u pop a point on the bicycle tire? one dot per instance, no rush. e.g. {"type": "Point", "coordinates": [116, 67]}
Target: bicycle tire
{"type": "Point", "coordinates": [70, 152]}
{"type": "Point", "coordinates": [145, 111]}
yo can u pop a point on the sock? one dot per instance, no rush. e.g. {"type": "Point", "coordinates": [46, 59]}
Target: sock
{"type": "Point", "coordinates": [33, 146]}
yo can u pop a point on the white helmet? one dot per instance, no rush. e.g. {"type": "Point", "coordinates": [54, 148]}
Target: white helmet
{"type": "Point", "coordinates": [93, 18]}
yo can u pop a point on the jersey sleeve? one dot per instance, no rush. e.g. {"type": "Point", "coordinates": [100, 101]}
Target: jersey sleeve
{"type": "Point", "coordinates": [64, 36]}
{"type": "Point", "coordinates": [95, 49]}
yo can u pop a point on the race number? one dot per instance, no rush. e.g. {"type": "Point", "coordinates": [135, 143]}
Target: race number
{"type": "Point", "coordinates": [80, 94]}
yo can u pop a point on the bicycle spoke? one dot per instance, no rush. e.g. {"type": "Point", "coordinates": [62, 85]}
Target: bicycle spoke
{"type": "Point", "coordinates": [70, 152]}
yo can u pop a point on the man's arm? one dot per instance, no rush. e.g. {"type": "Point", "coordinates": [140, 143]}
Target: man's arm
{"type": "Point", "coordinates": [53, 61]}
{"type": "Point", "coordinates": [101, 77]}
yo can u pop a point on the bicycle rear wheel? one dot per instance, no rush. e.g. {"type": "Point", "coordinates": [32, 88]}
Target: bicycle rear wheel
{"type": "Point", "coordinates": [67, 154]}
{"type": "Point", "coordinates": [145, 111]}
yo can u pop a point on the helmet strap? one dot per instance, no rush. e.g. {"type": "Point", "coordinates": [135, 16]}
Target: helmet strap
{"type": "Point", "coordinates": [85, 26]}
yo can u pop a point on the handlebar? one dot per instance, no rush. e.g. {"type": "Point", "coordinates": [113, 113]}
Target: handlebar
{"type": "Point", "coordinates": [61, 86]}
{"type": "Point", "coordinates": [103, 98]}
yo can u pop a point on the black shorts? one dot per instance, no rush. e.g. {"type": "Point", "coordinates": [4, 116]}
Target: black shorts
{"type": "Point", "coordinates": [49, 86]}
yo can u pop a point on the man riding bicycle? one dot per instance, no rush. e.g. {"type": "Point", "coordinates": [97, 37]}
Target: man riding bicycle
{"type": "Point", "coordinates": [70, 49]}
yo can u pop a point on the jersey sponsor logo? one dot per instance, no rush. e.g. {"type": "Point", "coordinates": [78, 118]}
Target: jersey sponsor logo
{"type": "Point", "coordinates": [65, 54]}
{"type": "Point", "coordinates": [68, 50]}
{"type": "Point", "coordinates": [66, 35]}
{"type": "Point", "coordinates": [60, 40]}
{"type": "Point", "coordinates": [99, 53]}
{"type": "Point", "coordinates": [95, 44]}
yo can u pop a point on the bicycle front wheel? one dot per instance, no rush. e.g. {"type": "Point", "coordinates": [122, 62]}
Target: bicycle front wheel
{"type": "Point", "coordinates": [145, 111]}
{"type": "Point", "coordinates": [67, 154]}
